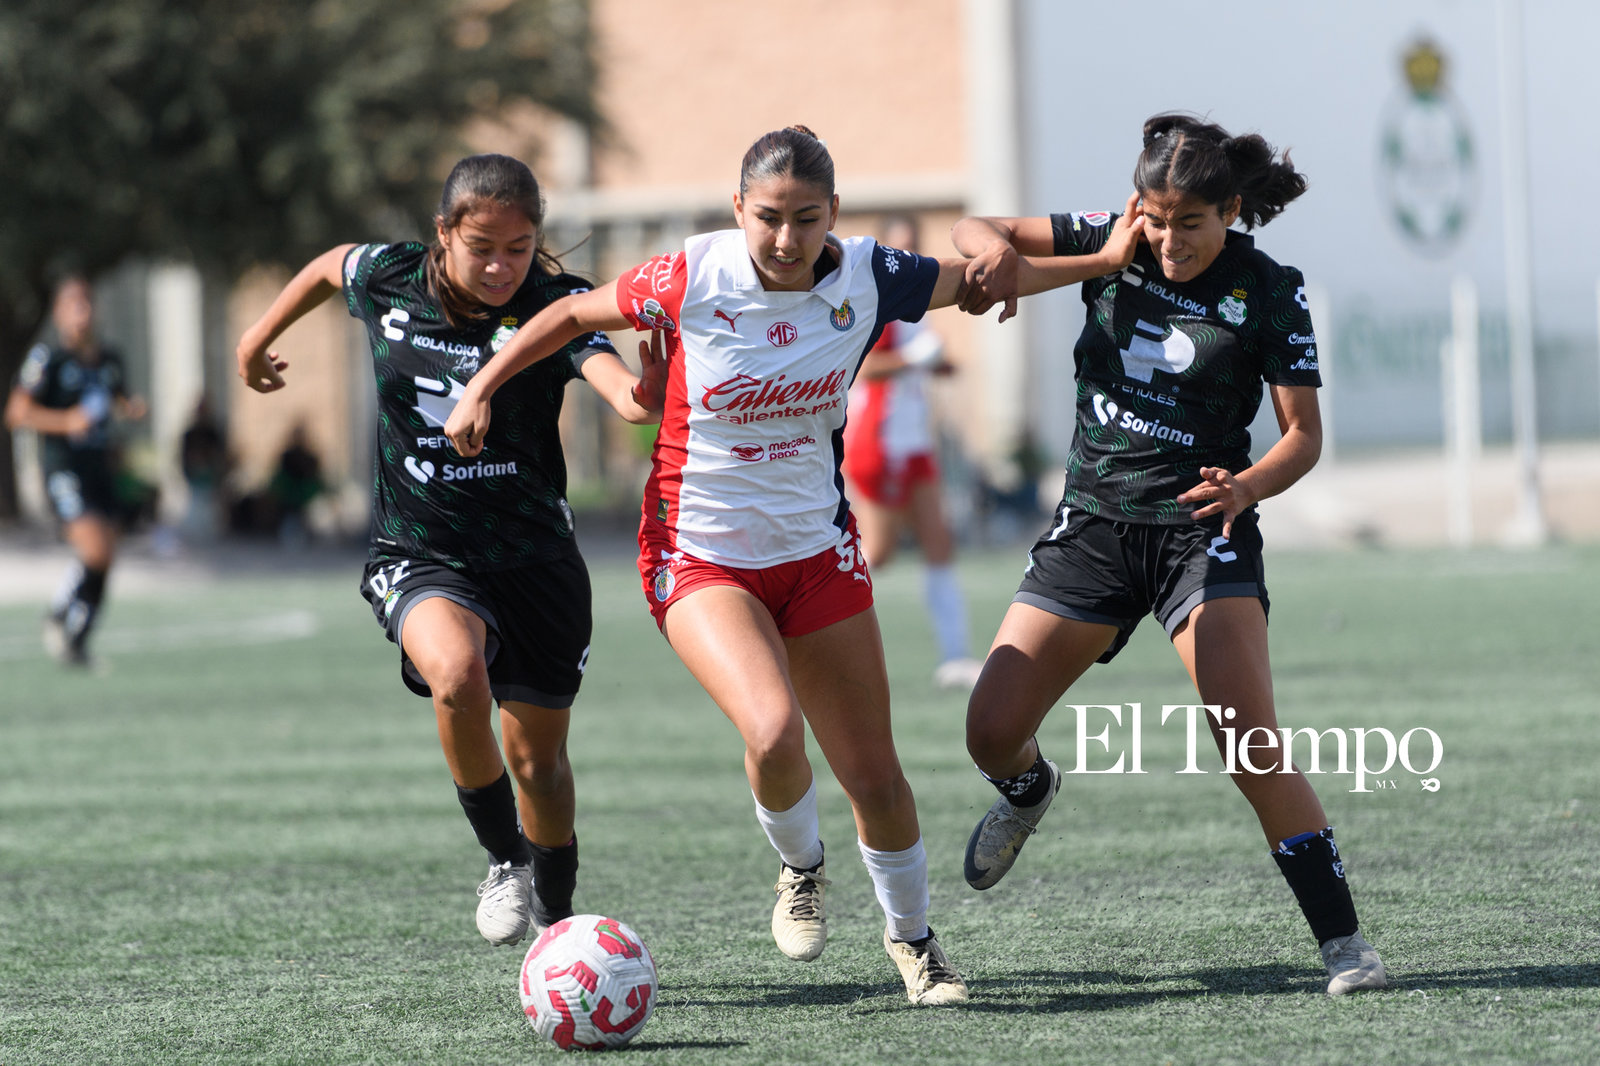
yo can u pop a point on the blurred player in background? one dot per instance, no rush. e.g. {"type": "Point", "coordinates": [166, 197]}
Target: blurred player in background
{"type": "Point", "coordinates": [473, 570]}
{"type": "Point", "coordinates": [69, 393]}
{"type": "Point", "coordinates": [892, 471]}
{"type": "Point", "coordinates": [1159, 512]}
{"type": "Point", "coordinates": [749, 557]}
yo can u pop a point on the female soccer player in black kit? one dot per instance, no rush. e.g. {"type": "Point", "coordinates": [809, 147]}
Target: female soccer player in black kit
{"type": "Point", "coordinates": [1159, 512]}
{"type": "Point", "coordinates": [473, 569]}
{"type": "Point", "coordinates": [68, 393]}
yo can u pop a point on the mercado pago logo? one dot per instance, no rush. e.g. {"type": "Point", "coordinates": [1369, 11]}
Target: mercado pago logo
{"type": "Point", "coordinates": [1110, 740]}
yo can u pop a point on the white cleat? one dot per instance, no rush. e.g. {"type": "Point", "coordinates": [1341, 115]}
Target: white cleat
{"type": "Point", "coordinates": [505, 907]}
{"type": "Point", "coordinates": [931, 981]}
{"type": "Point", "coordinates": [798, 923]}
{"type": "Point", "coordinates": [1353, 965]}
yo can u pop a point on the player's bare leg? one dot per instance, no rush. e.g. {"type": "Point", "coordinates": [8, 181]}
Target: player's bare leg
{"type": "Point", "coordinates": [842, 682]}
{"type": "Point", "coordinates": [730, 644]}
{"type": "Point", "coordinates": [445, 642]}
{"type": "Point", "coordinates": [1035, 658]}
{"type": "Point", "coordinates": [1223, 644]}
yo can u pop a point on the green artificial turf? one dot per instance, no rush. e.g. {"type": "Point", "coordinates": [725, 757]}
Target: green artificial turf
{"type": "Point", "coordinates": [241, 845]}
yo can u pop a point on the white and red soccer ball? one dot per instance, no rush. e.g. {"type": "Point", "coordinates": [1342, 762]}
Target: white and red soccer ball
{"type": "Point", "coordinates": [588, 983]}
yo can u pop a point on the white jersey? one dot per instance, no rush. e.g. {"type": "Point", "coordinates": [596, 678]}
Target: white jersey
{"type": "Point", "coordinates": [745, 471]}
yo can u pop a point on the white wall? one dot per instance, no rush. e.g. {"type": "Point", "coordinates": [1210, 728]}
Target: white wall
{"type": "Point", "coordinates": [1319, 79]}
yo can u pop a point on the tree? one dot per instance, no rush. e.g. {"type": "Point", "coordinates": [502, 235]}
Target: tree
{"type": "Point", "coordinates": [235, 132]}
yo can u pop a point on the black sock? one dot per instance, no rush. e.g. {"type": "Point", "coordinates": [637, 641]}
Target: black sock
{"type": "Point", "coordinates": [1310, 863]}
{"type": "Point", "coordinates": [492, 810]}
{"type": "Point", "coordinates": [83, 605]}
{"type": "Point", "coordinates": [555, 878]}
{"type": "Point", "coordinates": [1029, 788]}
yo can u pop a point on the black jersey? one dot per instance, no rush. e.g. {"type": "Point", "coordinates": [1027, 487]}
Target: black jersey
{"type": "Point", "coordinates": [1170, 374]}
{"type": "Point", "coordinates": [506, 506]}
{"type": "Point", "coordinates": [56, 378]}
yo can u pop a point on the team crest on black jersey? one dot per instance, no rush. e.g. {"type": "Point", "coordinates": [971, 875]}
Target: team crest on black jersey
{"type": "Point", "coordinates": [502, 334]}
{"type": "Point", "coordinates": [1231, 308]}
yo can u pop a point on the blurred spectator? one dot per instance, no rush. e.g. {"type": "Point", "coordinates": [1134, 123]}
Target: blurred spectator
{"type": "Point", "coordinates": [203, 455]}
{"type": "Point", "coordinates": [297, 481]}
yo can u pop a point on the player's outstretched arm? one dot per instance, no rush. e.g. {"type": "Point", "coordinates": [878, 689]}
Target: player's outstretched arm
{"type": "Point", "coordinates": [539, 338]}
{"type": "Point", "coordinates": [1011, 257]}
{"type": "Point", "coordinates": [637, 397]}
{"type": "Point", "coordinates": [261, 368]}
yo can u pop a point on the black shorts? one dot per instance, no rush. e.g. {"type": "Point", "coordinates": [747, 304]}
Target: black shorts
{"type": "Point", "coordinates": [84, 487]}
{"type": "Point", "coordinates": [1098, 570]}
{"type": "Point", "coordinates": [538, 616]}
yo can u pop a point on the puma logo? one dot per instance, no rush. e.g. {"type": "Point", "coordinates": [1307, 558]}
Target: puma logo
{"type": "Point", "coordinates": [732, 322]}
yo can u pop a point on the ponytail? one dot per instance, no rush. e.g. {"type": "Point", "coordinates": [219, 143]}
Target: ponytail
{"type": "Point", "coordinates": [1185, 155]}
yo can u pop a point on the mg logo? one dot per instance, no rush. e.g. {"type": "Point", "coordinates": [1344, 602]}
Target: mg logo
{"type": "Point", "coordinates": [781, 335]}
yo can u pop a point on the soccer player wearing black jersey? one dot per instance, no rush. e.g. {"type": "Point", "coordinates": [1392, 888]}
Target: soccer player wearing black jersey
{"type": "Point", "coordinates": [68, 393]}
{"type": "Point", "coordinates": [473, 570]}
{"type": "Point", "coordinates": [1159, 515]}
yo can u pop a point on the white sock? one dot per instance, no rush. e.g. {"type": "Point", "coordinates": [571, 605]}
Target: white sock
{"type": "Point", "coordinates": [947, 610]}
{"type": "Point", "coordinates": [794, 832]}
{"type": "Point", "coordinates": [900, 879]}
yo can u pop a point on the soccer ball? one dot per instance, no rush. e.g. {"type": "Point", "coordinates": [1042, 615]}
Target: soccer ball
{"type": "Point", "coordinates": [588, 983]}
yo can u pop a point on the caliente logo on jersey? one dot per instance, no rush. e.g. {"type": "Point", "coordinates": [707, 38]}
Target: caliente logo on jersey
{"type": "Point", "coordinates": [743, 398]}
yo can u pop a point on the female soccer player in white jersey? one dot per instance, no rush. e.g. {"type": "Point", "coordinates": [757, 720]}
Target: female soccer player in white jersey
{"type": "Point", "coordinates": [1159, 511]}
{"type": "Point", "coordinates": [473, 569]}
{"type": "Point", "coordinates": [749, 557]}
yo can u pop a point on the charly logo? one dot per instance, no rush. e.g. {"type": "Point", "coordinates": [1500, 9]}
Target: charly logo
{"type": "Point", "coordinates": [1428, 162]}
{"type": "Point", "coordinates": [844, 316]}
{"type": "Point", "coordinates": [392, 321]}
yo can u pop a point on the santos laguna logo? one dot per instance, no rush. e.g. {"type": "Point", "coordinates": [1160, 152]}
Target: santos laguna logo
{"type": "Point", "coordinates": [424, 471]}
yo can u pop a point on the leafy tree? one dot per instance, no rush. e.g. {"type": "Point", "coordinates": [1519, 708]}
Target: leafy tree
{"type": "Point", "coordinates": [233, 132]}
